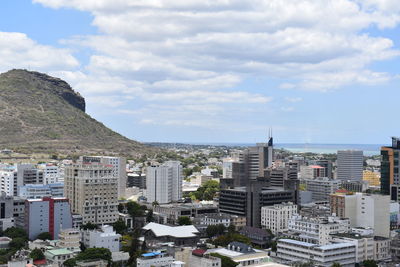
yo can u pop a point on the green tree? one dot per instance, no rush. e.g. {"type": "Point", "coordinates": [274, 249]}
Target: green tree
{"type": "Point", "coordinates": [134, 251]}
{"type": "Point", "coordinates": [37, 254]}
{"type": "Point", "coordinates": [336, 264]}
{"type": "Point", "coordinates": [134, 209]}
{"type": "Point", "coordinates": [88, 226]}
{"type": "Point", "coordinates": [70, 262]}
{"type": "Point", "coordinates": [14, 232]}
{"type": "Point", "coordinates": [369, 263]}
{"type": "Point", "coordinates": [17, 243]}
{"type": "Point", "coordinates": [184, 220]}
{"type": "Point", "coordinates": [155, 203]}
{"type": "Point", "coordinates": [231, 229]}
{"type": "Point", "coordinates": [44, 236]}
{"type": "Point", "coordinates": [211, 231]}
{"type": "Point", "coordinates": [94, 253]}
{"type": "Point", "coordinates": [225, 261]}
{"type": "Point", "coordinates": [120, 227]}
{"type": "Point", "coordinates": [224, 240]}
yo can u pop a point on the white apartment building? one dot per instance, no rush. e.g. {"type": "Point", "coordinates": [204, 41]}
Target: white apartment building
{"type": "Point", "coordinates": [350, 164]}
{"type": "Point", "coordinates": [364, 244]}
{"type": "Point", "coordinates": [7, 182]}
{"type": "Point", "coordinates": [118, 165]}
{"type": "Point", "coordinates": [276, 217]}
{"type": "Point", "coordinates": [106, 237]}
{"type": "Point", "coordinates": [289, 250]}
{"type": "Point", "coordinates": [316, 230]}
{"type": "Point", "coordinates": [93, 192]}
{"type": "Point", "coordinates": [156, 259]}
{"type": "Point", "coordinates": [51, 173]}
{"type": "Point", "coordinates": [164, 183]}
{"type": "Point", "coordinates": [364, 210]}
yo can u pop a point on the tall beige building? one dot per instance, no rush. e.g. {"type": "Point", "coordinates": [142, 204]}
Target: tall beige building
{"type": "Point", "coordinates": [93, 192]}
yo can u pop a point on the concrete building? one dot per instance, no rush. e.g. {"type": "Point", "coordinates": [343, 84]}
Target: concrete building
{"type": "Point", "coordinates": [164, 183]}
{"type": "Point", "coordinates": [106, 237]}
{"type": "Point", "coordinates": [69, 239]}
{"type": "Point", "coordinates": [321, 188]}
{"type": "Point", "coordinates": [350, 165]}
{"type": "Point", "coordinates": [156, 259]}
{"type": "Point", "coordinates": [316, 230]}
{"type": "Point", "coordinates": [51, 174]}
{"type": "Point", "coordinates": [278, 176]}
{"type": "Point", "coordinates": [137, 180]}
{"type": "Point", "coordinates": [32, 191]}
{"type": "Point", "coordinates": [118, 169]}
{"type": "Point", "coordinates": [59, 255]}
{"type": "Point", "coordinates": [92, 189]}
{"type": "Point", "coordinates": [47, 215]}
{"type": "Point", "coordinates": [276, 217]}
{"type": "Point", "coordinates": [247, 201]}
{"type": "Point", "coordinates": [364, 245]}
{"type": "Point", "coordinates": [327, 165]}
{"type": "Point", "coordinates": [6, 211]}
{"type": "Point", "coordinates": [312, 172]}
{"type": "Point", "coordinates": [185, 235]}
{"type": "Point", "coordinates": [200, 259]}
{"type": "Point", "coordinates": [294, 251]}
{"type": "Point", "coordinates": [242, 254]}
{"type": "Point", "coordinates": [364, 210]}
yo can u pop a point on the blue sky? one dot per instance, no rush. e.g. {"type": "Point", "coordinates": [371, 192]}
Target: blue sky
{"type": "Point", "coordinates": [219, 71]}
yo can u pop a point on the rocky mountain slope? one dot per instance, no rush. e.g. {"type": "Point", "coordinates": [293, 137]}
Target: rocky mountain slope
{"type": "Point", "coordinates": [39, 113]}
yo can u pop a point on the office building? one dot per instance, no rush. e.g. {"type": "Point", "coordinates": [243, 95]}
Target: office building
{"type": "Point", "coordinates": [363, 210]}
{"type": "Point", "coordinates": [278, 176]}
{"type": "Point", "coordinates": [30, 191]}
{"type": "Point", "coordinates": [164, 183]}
{"type": "Point", "coordinates": [276, 217]}
{"type": "Point", "coordinates": [373, 178]}
{"type": "Point", "coordinates": [118, 168]}
{"type": "Point", "coordinates": [92, 189]}
{"type": "Point", "coordinates": [327, 165]}
{"type": "Point", "coordinates": [390, 182]}
{"type": "Point", "coordinates": [312, 172]}
{"type": "Point", "coordinates": [321, 188]}
{"type": "Point", "coordinates": [289, 251]}
{"type": "Point", "coordinates": [247, 201]}
{"type": "Point", "coordinates": [12, 177]}
{"type": "Point", "coordinates": [51, 174]}
{"type": "Point", "coordinates": [350, 164]}
{"type": "Point", "coordinates": [137, 180]}
{"type": "Point", "coordinates": [6, 211]}
{"type": "Point", "coordinates": [47, 215]}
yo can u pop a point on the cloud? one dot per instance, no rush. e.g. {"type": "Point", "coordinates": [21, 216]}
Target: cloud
{"type": "Point", "coordinates": [200, 53]}
{"type": "Point", "coordinates": [17, 50]}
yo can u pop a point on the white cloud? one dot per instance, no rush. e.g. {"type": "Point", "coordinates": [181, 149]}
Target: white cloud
{"type": "Point", "coordinates": [198, 53]}
{"type": "Point", "coordinates": [293, 99]}
{"type": "Point", "coordinates": [19, 51]}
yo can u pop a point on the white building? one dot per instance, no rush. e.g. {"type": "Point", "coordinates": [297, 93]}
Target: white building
{"type": "Point", "coordinates": [32, 191]}
{"type": "Point", "coordinates": [289, 250]}
{"type": "Point", "coordinates": [316, 230]}
{"type": "Point", "coordinates": [7, 182]}
{"type": "Point", "coordinates": [156, 259]}
{"type": "Point", "coordinates": [51, 173]}
{"type": "Point", "coordinates": [364, 210]}
{"type": "Point", "coordinates": [312, 172]}
{"type": "Point", "coordinates": [104, 238]}
{"type": "Point", "coordinates": [69, 239]}
{"type": "Point", "coordinates": [364, 244]}
{"type": "Point", "coordinates": [164, 183]}
{"type": "Point", "coordinates": [276, 217]}
{"type": "Point", "coordinates": [350, 165]}
{"type": "Point", "coordinates": [198, 258]}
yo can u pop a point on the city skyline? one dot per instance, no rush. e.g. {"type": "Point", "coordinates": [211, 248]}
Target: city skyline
{"type": "Point", "coordinates": [220, 71]}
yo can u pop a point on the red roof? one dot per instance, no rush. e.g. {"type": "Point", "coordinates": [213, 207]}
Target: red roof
{"type": "Point", "coordinates": [342, 191]}
{"type": "Point", "coordinates": [39, 262]}
{"type": "Point", "coordinates": [198, 252]}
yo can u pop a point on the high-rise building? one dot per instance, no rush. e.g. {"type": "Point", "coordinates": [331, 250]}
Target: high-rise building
{"type": "Point", "coordinates": [390, 182]}
{"type": "Point", "coordinates": [118, 169]}
{"type": "Point", "coordinates": [327, 165]}
{"type": "Point", "coordinates": [164, 182]}
{"type": "Point", "coordinates": [321, 188]}
{"type": "Point", "coordinates": [279, 175]}
{"type": "Point", "coordinates": [92, 189]}
{"type": "Point", "coordinates": [350, 165]}
{"type": "Point", "coordinates": [276, 217]}
{"type": "Point", "coordinates": [373, 178]}
{"type": "Point", "coordinates": [312, 172]}
{"type": "Point", "coordinates": [13, 177]}
{"type": "Point", "coordinates": [47, 215]}
{"type": "Point", "coordinates": [51, 173]}
{"type": "Point", "coordinates": [363, 210]}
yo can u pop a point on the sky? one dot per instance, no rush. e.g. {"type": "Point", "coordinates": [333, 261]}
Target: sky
{"type": "Point", "coordinates": [215, 71]}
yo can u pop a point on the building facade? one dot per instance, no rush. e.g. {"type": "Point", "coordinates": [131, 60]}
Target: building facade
{"type": "Point", "coordinates": [276, 217]}
{"type": "Point", "coordinates": [350, 165]}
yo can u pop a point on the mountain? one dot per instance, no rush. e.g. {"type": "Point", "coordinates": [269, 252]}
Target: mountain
{"type": "Point", "coordinates": [40, 113]}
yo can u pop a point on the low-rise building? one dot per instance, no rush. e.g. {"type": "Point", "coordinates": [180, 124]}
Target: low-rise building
{"type": "Point", "coordinates": [198, 258]}
{"type": "Point", "coordinates": [276, 217]}
{"type": "Point", "coordinates": [185, 235]}
{"type": "Point", "coordinates": [259, 237]}
{"type": "Point", "coordinates": [59, 255]}
{"type": "Point", "coordinates": [294, 251]}
{"type": "Point", "coordinates": [321, 187]}
{"type": "Point", "coordinates": [156, 259]}
{"type": "Point", "coordinates": [34, 191]}
{"type": "Point", "coordinates": [106, 237]}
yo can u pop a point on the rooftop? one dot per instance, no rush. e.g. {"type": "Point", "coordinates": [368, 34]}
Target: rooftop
{"type": "Point", "coordinates": [175, 231]}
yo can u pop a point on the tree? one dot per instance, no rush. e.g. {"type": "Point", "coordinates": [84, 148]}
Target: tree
{"type": "Point", "coordinates": [94, 253]}
{"type": "Point", "coordinates": [88, 226]}
{"type": "Point", "coordinates": [207, 191]}
{"type": "Point", "coordinates": [17, 243]}
{"type": "Point", "coordinates": [369, 263]}
{"type": "Point", "coordinates": [14, 232]}
{"type": "Point", "coordinates": [44, 236]}
{"type": "Point", "coordinates": [37, 254]}
{"type": "Point", "coordinates": [336, 264]}
{"type": "Point", "coordinates": [224, 240]}
{"type": "Point", "coordinates": [231, 229]}
{"type": "Point", "coordinates": [134, 209]}
{"type": "Point", "coordinates": [155, 203]}
{"type": "Point", "coordinates": [149, 216]}
{"type": "Point", "coordinates": [120, 227]}
{"type": "Point", "coordinates": [211, 231]}
{"type": "Point", "coordinates": [144, 246]}
{"type": "Point", "coordinates": [134, 251]}
{"type": "Point", "coordinates": [225, 261]}
{"type": "Point", "coordinates": [184, 220]}
{"type": "Point", "coordinates": [70, 262]}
